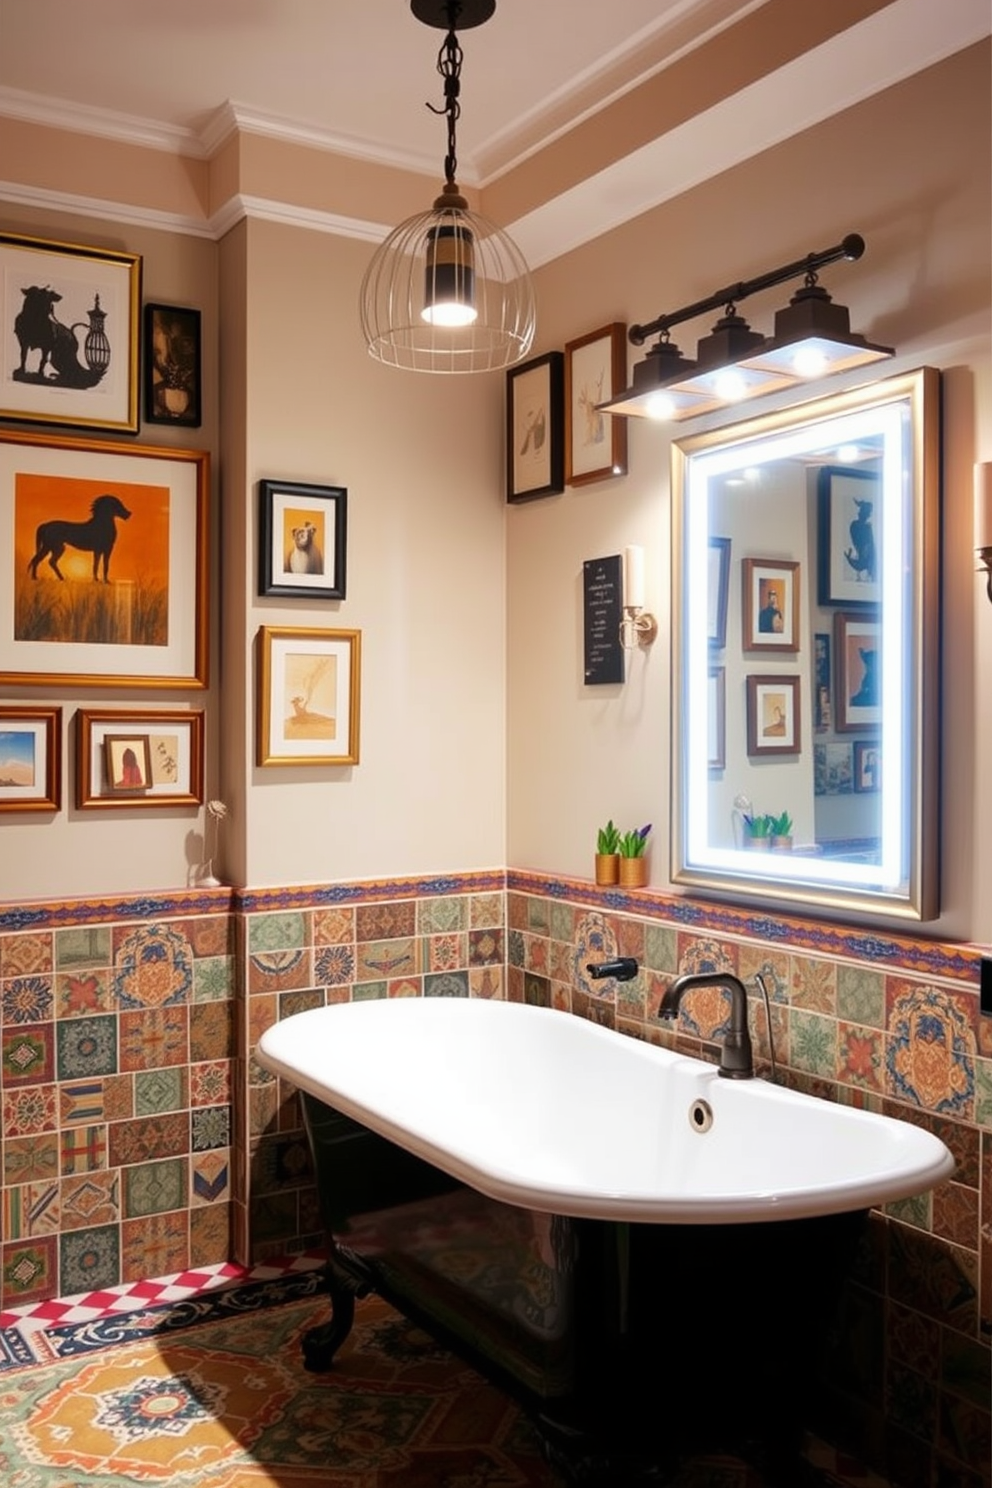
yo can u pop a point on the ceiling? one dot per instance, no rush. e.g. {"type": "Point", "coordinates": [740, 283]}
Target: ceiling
{"type": "Point", "coordinates": [357, 77]}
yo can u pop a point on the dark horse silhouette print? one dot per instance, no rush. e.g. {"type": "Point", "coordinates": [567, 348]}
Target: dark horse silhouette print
{"type": "Point", "coordinates": [97, 536]}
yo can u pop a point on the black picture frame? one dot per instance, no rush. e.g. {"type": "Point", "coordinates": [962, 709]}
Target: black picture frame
{"type": "Point", "coordinates": [303, 537]}
{"type": "Point", "coordinates": [717, 591]}
{"type": "Point", "coordinates": [535, 428]}
{"type": "Point", "coordinates": [848, 536]}
{"type": "Point", "coordinates": [172, 375]}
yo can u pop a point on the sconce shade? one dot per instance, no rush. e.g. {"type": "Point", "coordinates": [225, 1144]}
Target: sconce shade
{"type": "Point", "coordinates": [813, 338]}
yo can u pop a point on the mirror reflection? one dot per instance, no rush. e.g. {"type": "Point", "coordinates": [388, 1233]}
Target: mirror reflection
{"type": "Point", "coordinates": [805, 565]}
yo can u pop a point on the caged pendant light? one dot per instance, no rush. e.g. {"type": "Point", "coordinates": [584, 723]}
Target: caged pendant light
{"type": "Point", "coordinates": [448, 290]}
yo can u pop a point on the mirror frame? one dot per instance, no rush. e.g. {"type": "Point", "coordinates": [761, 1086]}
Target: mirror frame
{"type": "Point", "coordinates": [736, 874]}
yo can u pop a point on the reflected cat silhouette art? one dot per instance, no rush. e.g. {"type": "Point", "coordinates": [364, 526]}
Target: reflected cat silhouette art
{"type": "Point", "coordinates": [867, 694]}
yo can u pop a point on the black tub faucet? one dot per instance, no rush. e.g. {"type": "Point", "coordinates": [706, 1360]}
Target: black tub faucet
{"type": "Point", "coordinates": [623, 968]}
{"type": "Point", "coordinates": [736, 1062]}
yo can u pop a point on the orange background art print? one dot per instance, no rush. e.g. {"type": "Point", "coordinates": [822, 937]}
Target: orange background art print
{"type": "Point", "coordinates": [132, 607]}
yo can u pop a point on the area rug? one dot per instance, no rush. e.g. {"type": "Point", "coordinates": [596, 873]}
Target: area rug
{"type": "Point", "coordinates": [212, 1393]}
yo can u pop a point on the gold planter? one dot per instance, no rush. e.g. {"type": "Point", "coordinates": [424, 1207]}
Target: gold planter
{"type": "Point", "coordinates": [607, 868]}
{"type": "Point", "coordinates": [633, 873]}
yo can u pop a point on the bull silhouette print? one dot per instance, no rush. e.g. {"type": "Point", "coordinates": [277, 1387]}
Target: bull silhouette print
{"type": "Point", "coordinates": [38, 329]}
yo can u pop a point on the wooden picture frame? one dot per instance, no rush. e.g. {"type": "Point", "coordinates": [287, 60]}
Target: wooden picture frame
{"type": "Point", "coordinates": [535, 440]}
{"type": "Point", "coordinates": [309, 689]}
{"type": "Point", "coordinates": [302, 545]}
{"type": "Point", "coordinates": [130, 758]}
{"type": "Point", "coordinates": [30, 758]}
{"type": "Point", "coordinates": [173, 378]}
{"type": "Point", "coordinates": [595, 371]}
{"type": "Point", "coordinates": [848, 514]}
{"type": "Point", "coordinates": [773, 721]}
{"type": "Point", "coordinates": [822, 683]}
{"type": "Point", "coordinates": [770, 592]}
{"type": "Point", "coordinates": [858, 683]}
{"type": "Point", "coordinates": [867, 766]}
{"type": "Point", "coordinates": [716, 715]}
{"type": "Point", "coordinates": [103, 563]}
{"type": "Point", "coordinates": [70, 319]}
{"type": "Point", "coordinates": [717, 591]}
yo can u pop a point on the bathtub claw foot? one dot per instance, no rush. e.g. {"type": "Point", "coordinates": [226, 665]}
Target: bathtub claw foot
{"type": "Point", "coordinates": [320, 1344]}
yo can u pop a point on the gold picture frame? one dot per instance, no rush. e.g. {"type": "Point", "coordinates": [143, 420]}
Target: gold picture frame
{"type": "Point", "coordinates": [309, 690]}
{"type": "Point", "coordinates": [595, 370]}
{"type": "Point", "coordinates": [30, 758]}
{"type": "Point", "coordinates": [138, 757]}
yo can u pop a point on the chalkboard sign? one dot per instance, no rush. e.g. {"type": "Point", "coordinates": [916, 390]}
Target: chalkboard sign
{"type": "Point", "coordinates": [602, 588]}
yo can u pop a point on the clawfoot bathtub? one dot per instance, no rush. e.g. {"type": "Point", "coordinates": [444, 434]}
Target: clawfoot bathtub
{"type": "Point", "coordinates": [646, 1255]}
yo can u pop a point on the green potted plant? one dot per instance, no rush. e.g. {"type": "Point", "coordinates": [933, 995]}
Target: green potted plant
{"type": "Point", "coordinates": [757, 830]}
{"type": "Point", "coordinates": [632, 848]}
{"type": "Point", "coordinates": [607, 854]}
{"type": "Point", "coordinates": [781, 832]}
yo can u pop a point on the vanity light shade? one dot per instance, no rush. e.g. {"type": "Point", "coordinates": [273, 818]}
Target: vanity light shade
{"type": "Point", "coordinates": [813, 338]}
{"type": "Point", "coordinates": [652, 393]}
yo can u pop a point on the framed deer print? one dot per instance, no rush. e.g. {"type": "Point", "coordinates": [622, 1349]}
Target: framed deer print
{"type": "Point", "coordinates": [309, 683]}
{"type": "Point", "coordinates": [69, 320]}
{"type": "Point", "coordinates": [103, 563]}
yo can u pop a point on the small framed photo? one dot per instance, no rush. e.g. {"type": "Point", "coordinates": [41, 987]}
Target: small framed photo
{"type": "Point", "coordinates": [30, 758]}
{"type": "Point", "coordinates": [773, 715]}
{"type": "Point", "coordinates": [535, 443]}
{"type": "Point", "coordinates": [172, 366]}
{"type": "Point", "coordinates": [127, 757]}
{"type": "Point", "coordinates": [858, 672]}
{"type": "Point", "coordinates": [309, 686]}
{"type": "Point", "coordinates": [822, 707]}
{"type": "Point", "coordinates": [867, 765]}
{"type": "Point", "coordinates": [717, 589]}
{"type": "Point", "coordinates": [303, 532]}
{"type": "Point", "coordinates": [771, 605]}
{"type": "Point", "coordinates": [716, 718]}
{"type": "Point", "coordinates": [832, 770]}
{"type": "Point", "coordinates": [69, 317]}
{"type": "Point", "coordinates": [848, 520]}
{"type": "Point", "coordinates": [595, 371]}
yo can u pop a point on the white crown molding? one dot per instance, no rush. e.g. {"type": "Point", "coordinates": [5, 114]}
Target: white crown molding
{"type": "Point", "coordinates": [263, 210]}
{"type": "Point", "coordinates": [80, 118]}
{"type": "Point", "coordinates": [125, 213]}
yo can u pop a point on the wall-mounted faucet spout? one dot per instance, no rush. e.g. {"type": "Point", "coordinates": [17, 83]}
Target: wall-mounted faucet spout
{"type": "Point", "coordinates": [623, 968]}
{"type": "Point", "coordinates": [736, 1062]}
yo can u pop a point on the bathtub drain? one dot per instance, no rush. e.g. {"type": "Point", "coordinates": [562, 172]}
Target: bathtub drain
{"type": "Point", "coordinates": [700, 1116]}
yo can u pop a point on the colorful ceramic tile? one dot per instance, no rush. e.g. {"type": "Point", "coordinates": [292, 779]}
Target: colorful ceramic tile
{"type": "Point", "coordinates": [485, 981]}
{"type": "Point", "coordinates": [537, 954]}
{"type": "Point", "coordinates": [916, 1210]}
{"type": "Point", "coordinates": [930, 1049]}
{"type": "Point", "coordinates": [31, 1159]}
{"type": "Point", "coordinates": [27, 999]}
{"type": "Point", "coordinates": [561, 921]}
{"type": "Point", "coordinates": [210, 1177]}
{"type": "Point", "coordinates": [955, 1214]}
{"type": "Point", "coordinates": [154, 1245]}
{"type": "Point", "coordinates": [704, 1013]}
{"type": "Point", "coordinates": [155, 1187]}
{"type": "Point", "coordinates": [772, 966]}
{"type": "Point", "coordinates": [369, 991]}
{"type": "Point", "coordinates": [210, 1237]}
{"type": "Point", "coordinates": [485, 947]}
{"type": "Point", "coordinates": [933, 1277]}
{"type": "Point", "coordinates": [660, 948]}
{"type": "Point", "coordinates": [263, 1102]}
{"type": "Point", "coordinates": [446, 952]}
{"type": "Point", "coordinates": [27, 1054]}
{"type": "Point", "coordinates": [83, 1149]}
{"type": "Point", "coordinates": [90, 1200]}
{"type": "Point", "coordinates": [153, 968]}
{"type": "Point", "coordinates": [334, 965]}
{"type": "Point", "coordinates": [983, 1092]}
{"type": "Point", "coordinates": [160, 1090]}
{"type": "Point", "coordinates": [152, 1039]}
{"type": "Point", "coordinates": [84, 946]}
{"type": "Point", "coordinates": [595, 941]}
{"type": "Point", "coordinates": [538, 915]}
{"type": "Point", "coordinates": [151, 1137]}
{"type": "Point", "coordinates": [86, 1047]}
{"type": "Point", "coordinates": [813, 1043]}
{"type": "Point", "coordinates": [211, 1030]}
{"type": "Point", "coordinates": [860, 1056]}
{"type": "Point", "coordinates": [333, 926]}
{"type": "Point", "coordinates": [387, 958]}
{"type": "Point", "coordinates": [391, 921]}
{"type": "Point", "coordinates": [517, 912]}
{"type": "Point", "coordinates": [210, 1127]}
{"type": "Point", "coordinates": [516, 948]}
{"type": "Point", "coordinates": [279, 971]}
{"type": "Point", "coordinates": [814, 985]}
{"type": "Point", "coordinates": [279, 1163]}
{"type": "Point", "coordinates": [861, 995]}
{"type": "Point", "coordinates": [28, 1270]}
{"type": "Point", "coordinates": [487, 911]}
{"type": "Point", "coordinates": [118, 1097]}
{"type": "Point", "coordinates": [404, 987]}
{"type": "Point", "coordinates": [29, 1111]}
{"type": "Point", "coordinates": [701, 953]}
{"type": "Point", "coordinates": [30, 1209]}
{"type": "Point", "coordinates": [213, 979]}
{"type": "Point", "coordinates": [80, 993]}
{"type": "Point", "coordinates": [208, 936]}
{"type": "Point", "coordinates": [446, 984]}
{"type": "Point", "coordinates": [277, 932]}
{"type": "Point", "coordinates": [25, 955]}
{"type": "Point", "coordinates": [442, 916]}
{"type": "Point", "coordinates": [210, 1082]}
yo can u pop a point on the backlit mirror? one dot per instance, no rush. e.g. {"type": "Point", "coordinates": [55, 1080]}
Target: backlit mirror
{"type": "Point", "coordinates": [805, 653]}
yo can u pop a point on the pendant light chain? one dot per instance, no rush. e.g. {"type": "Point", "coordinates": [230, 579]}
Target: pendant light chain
{"type": "Point", "coordinates": [449, 65]}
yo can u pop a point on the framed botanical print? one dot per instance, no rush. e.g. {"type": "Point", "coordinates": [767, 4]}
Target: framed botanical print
{"type": "Point", "coordinates": [309, 686]}
{"type": "Point", "coordinates": [595, 371]}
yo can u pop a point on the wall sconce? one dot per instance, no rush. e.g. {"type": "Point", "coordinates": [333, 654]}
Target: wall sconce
{"type": "Point", "coordinates": [638, 626]}
{"type": "Point", "coordinates": [813, 338]}
{"type": "Point", "coordinates": [983, 522]}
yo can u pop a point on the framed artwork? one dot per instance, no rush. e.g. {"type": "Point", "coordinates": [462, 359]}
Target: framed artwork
{"type": "Point", "coordinates": [867, 765]}
{"type": "Point", "coordinates": [172, 366]}
{"type": "Point", "coordinates": [832, 770]}
{"type": "Point", "coordinates": [69, 319]}
{"type": "Point", "coordinates": [103, 563]}
{"type": "Point", "coordinates": [535, 441]}
{"type": "Point", "coordinates": [848, 522]}
{"type": "Point", "coordinates": [309, 684]}
{"type": "Point", "coordinates": [595, 370]}
{"type": "Point", "coordinates": [771, 605]}
{"type": "Point", "coordinates": [302, 540]}
{"type": "Point", "coordinates": [772, 715]}
{"type": "Point", "coordinates": [716, 718]}
{"type": "Point", "coordinates": [30, 758]}
{"type": "Point", "coordinates": [128, 757]}
{"type": "Point", "coordinates": [717, 589]}
{"type": "Point", "coordinates": [822, 707]}
{"type": "Point", "coordinates": [858, 672]}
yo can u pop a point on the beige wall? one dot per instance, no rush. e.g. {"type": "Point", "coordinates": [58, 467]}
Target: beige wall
{"type": "Point", "coordinates": [910, 170]}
